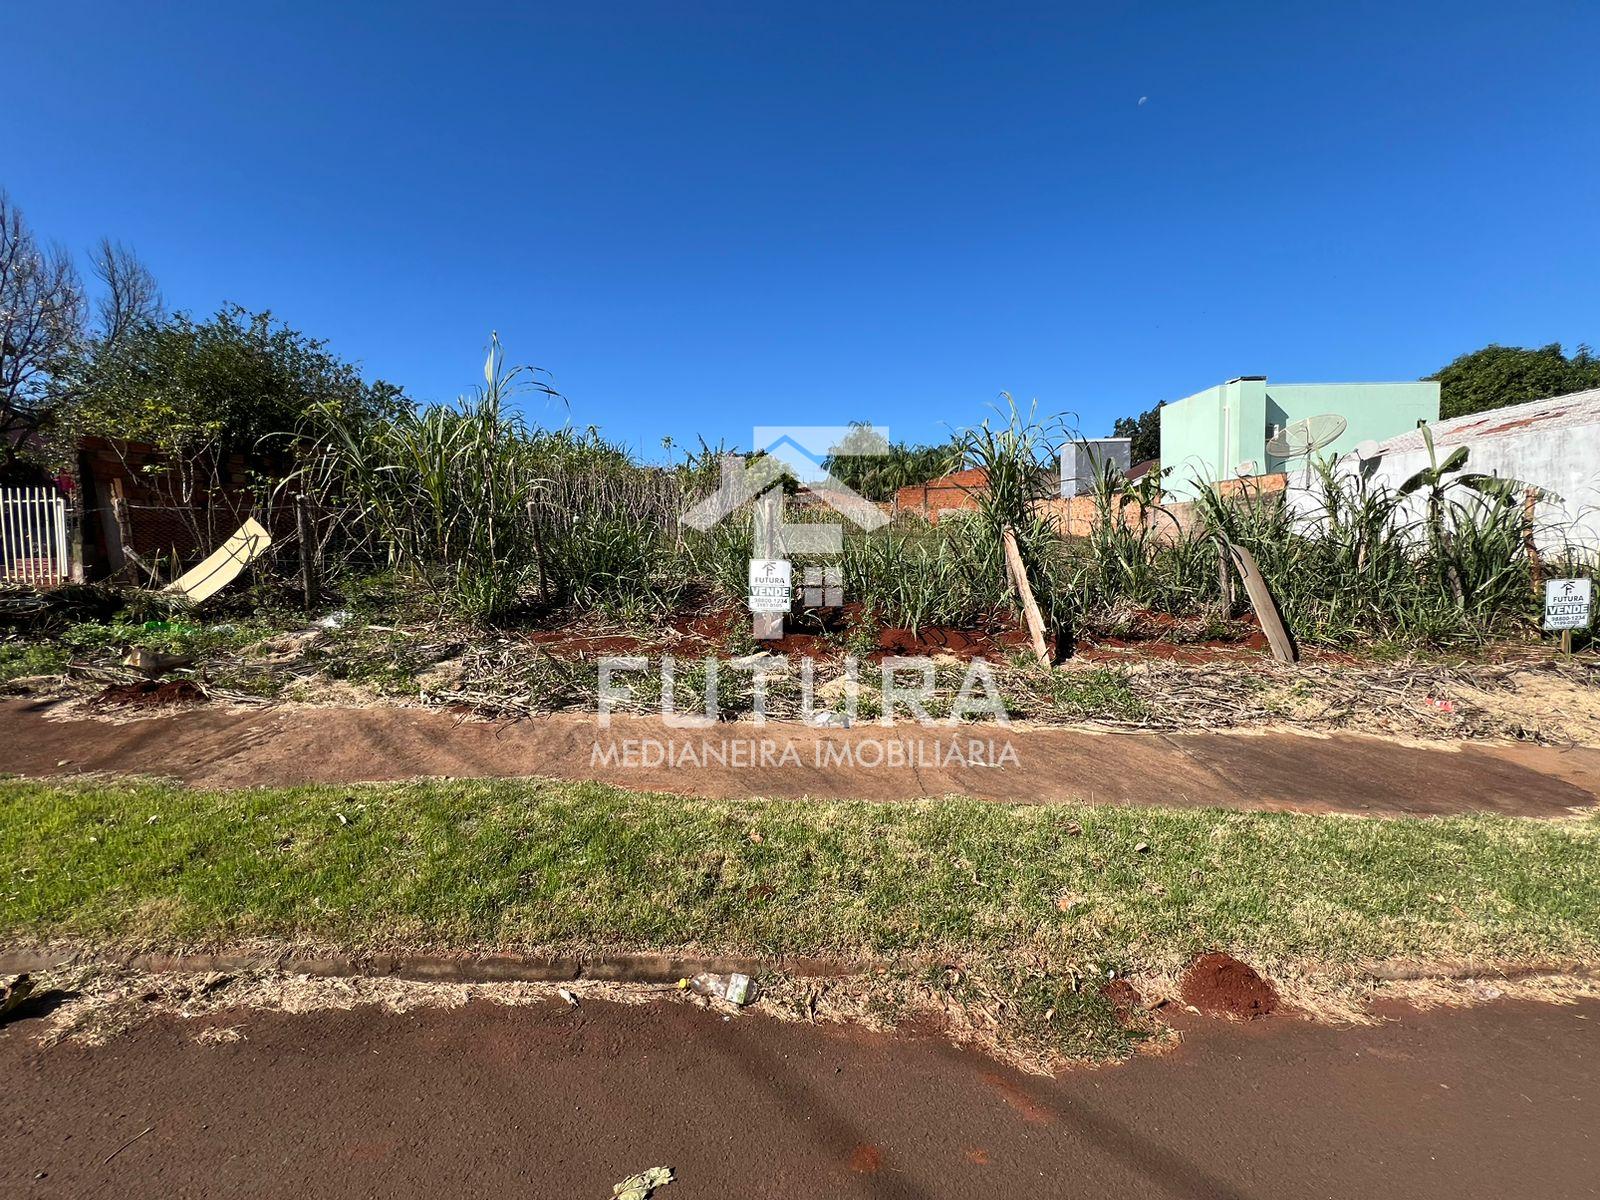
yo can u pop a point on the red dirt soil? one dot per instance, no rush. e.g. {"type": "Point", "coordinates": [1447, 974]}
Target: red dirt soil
{"type": "Point", "coordinates": [945, 639]}
{"type": "Point", "coordinates": [1222, 986]}
{"type": "Point", "coordinates": [217, 746]}
{"type": "Point", "coordinates": [151, 693]}
{"type": "Point", "coordinates": [1123, 997]}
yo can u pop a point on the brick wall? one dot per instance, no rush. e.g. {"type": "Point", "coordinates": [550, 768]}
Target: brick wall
{"type": "Point", "coordinates": [162, 520]}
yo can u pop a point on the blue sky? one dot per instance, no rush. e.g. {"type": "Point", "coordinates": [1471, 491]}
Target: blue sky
{"type": "Point", "coordinates": [705, 217]}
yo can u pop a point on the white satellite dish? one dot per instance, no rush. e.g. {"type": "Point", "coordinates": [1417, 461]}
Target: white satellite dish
{"type": "Point", "coordinates": [1368, 449]}
{"type": "Point", "coordinates": [1307, 436]}
{"type": "Point", "coordinates": [1247, 466]}
{"type": "Point", "coordinates": [1303, 438]}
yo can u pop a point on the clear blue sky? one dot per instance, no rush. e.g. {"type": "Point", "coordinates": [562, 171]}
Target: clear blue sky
{"type": "Point", "coordinates": [704, 217]}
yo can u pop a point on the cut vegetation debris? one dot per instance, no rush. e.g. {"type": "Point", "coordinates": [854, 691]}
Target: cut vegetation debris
{"type": "Point", "coordinates": [950, 908]}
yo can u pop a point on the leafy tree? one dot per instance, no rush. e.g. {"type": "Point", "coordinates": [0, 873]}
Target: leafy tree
{"type": "Point", "coordinates": [877, 468]}
{"type": "Point", "coordinates": [1497, 376]}
{"type": "Point", "coordinates": [218, 386]}
{"type": "Point", "coordinates": [1145, 430]}
{"type": "Point", "coordinates": [199, 391]}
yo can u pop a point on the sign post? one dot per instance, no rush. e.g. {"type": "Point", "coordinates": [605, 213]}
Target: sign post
{"type": "Point", "coordinates": [1567, 604]}
{"type": "Point", "coordinates": [770, 594]}
{"type": "Point", "coordinates": [769, 570]}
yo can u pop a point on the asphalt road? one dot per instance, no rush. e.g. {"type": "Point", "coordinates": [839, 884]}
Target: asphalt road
{"type": "Point", "coordinates": [1499, 1101]}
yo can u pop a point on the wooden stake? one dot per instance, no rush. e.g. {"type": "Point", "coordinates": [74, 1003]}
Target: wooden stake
{"type": "Point", "coordinates": [1261, 599]}
{"type": "Point", "coordinates": [122, 526]}
{"type": "Point", "coordinates": [1566, 642]}
{"type": "Point", "coordinates": [1030, 608]}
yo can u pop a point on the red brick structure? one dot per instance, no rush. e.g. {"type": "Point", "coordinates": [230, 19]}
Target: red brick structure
{"type": "Point", "coordinates": [952, 493]}
{"type": "Point", "coordinates": [164, 514]}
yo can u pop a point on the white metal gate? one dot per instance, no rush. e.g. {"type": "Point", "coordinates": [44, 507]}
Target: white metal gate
{"type": "Point", "coordinates": [33, 536]}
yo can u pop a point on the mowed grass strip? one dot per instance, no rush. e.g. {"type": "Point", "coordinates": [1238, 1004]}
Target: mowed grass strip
{"type": "Point", "coordinates": [581, 866]}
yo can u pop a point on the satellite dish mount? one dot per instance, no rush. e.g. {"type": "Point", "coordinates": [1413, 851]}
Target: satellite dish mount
{"type": "Point", "coordinates": [1303, 438]}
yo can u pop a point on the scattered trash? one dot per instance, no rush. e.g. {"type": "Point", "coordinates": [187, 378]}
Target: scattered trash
{"type": "Point", "coordinates": [336, 620]}
{"type": "Point", "coordinates": [765, 660]}
{"type": "Point", "coordinates": [1142, 848]}
{"type": "Point", "coordinates": [224, 565]}
{"type": "Point", "coordinates": [1068, 901]}
{"type": "Point", "coordinates": [569, 997]}
{"type": "Point", "coordinates": [13, 992]}
{"type": "Point", "coordinates": [735, 988]}
{"type": "Point", "coordinates": [830, 720]}
{"type": "Point", "coordinates": [1444, 706]}
{"type": "Point", "coordinates": [640, 1186]}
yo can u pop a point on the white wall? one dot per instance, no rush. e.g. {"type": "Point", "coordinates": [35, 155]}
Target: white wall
{"type": "Point", "coordinates": [1563, 459]}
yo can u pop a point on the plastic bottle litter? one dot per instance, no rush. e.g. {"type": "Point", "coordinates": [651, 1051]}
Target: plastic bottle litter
{"type": "Point", "coordinates": [735, 989]}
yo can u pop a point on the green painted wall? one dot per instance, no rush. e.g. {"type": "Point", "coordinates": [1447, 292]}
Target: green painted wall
{"type": "Point", "coordinates": [1207, 436]}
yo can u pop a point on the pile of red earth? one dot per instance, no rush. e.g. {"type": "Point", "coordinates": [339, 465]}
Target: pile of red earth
{"type": "Point", "coordinates": [1222, 986]}
{"type": "Point", "coordinates": [152, 693]}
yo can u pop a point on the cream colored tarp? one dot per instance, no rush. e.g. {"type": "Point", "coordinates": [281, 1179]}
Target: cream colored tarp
{"type": "Point", "coordinates": [224, 565]}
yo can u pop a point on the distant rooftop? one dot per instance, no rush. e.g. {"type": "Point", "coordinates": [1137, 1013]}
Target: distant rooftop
{"type": "Point", "coordinates": [1558, 412]}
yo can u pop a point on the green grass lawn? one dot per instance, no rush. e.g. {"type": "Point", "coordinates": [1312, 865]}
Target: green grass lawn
{"type": "Point", "coordinates": [1033, 896]}
{"type": "Point", "coordinates": [581, 865]}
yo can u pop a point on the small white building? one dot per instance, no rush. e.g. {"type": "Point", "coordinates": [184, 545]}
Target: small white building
{"type": "Point", "coordinates": [1553, 444]}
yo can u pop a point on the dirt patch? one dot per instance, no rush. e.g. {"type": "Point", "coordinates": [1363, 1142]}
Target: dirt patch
{"type": "Point", "coordinates": [151, 693]}
{"type": "Point", "coordinates": [215, 746]}
{"type": "Point", "coordinates": [946, 639]}
{"type": "Point", "coordinates": [1123, 997]}
{"type": "Point", "coordinates": [1222, 986]}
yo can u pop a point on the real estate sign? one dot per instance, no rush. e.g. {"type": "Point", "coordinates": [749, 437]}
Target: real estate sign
{"type": "Point", "coordinates": [1566, 603]}
{"type": "Point", "coordinates": [769, 585]}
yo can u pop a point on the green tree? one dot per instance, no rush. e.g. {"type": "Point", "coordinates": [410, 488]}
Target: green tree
{"type": "Point", "coordinates": [1500, 375]}
{"type": "Point", "coordinates": [1145, 432]}
{"type": "Point", "coordinates": [877, 468]}
{"type": "Point", "coordinates": [224, 385]}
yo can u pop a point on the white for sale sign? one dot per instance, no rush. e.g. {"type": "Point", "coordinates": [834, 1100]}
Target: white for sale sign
{"type": "Point", "coordinates": [769, 585]}
{"type": "Point", "coordinates": [1566, 603]}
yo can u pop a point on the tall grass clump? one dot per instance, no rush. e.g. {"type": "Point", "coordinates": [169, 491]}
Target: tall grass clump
{"type": "Point", "coordinates": [443, 492]}
{"type": "Point", "coordinates": [1019, 458]}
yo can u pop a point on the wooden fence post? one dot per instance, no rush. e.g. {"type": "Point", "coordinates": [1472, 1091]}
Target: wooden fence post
{"type": "Point", "coordinates": [309, 583]}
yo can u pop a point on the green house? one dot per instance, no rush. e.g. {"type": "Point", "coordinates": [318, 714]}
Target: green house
{"type": "Point", "coordinates": [1240, 427]}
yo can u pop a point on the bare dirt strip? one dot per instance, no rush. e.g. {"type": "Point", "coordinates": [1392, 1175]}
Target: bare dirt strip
{"type": "Point", "coordinates": [291, 745]}
{"type": "Point", "coordinates": [553, 1101]}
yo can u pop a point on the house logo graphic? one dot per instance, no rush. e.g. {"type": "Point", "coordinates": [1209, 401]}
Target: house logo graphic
{"type": "Point", "coordinates": [800, 452]}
